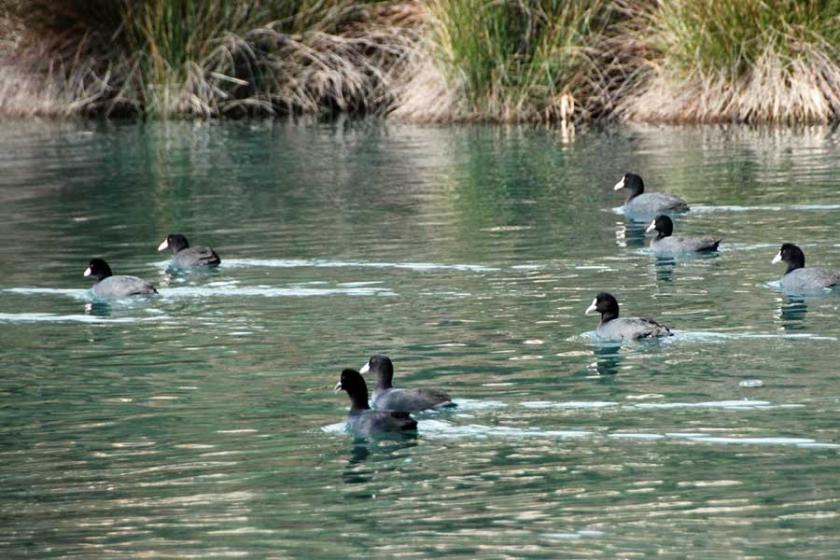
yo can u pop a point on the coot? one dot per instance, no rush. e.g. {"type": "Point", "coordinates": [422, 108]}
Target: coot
{"type": "Point", "coordinates": [801, 279]}
{"type": "Point", "coordinates": [185, 256]}
{"type": "Point", "coordinates": [612, 327]}
{"type": "Point", "coordinates": [108, 286]}
{"type": "Point", "coordinates": [640, 205]}
{"type": "Point", "coordinates": [363, 421]}
{"type": "Point", "coordinates": [665, 244]}
{"type": "Point", "coordinates": [387, 397]}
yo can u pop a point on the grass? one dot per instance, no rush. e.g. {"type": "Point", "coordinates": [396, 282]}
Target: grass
{"type": "Point", "coordinates": [525, 60]}
{"type": "Point", "coordinates": [744, 61]}
{"type": "Point", "coordinates": [204, 58]}
{"type": "Point", "coordinates": [425, 60]}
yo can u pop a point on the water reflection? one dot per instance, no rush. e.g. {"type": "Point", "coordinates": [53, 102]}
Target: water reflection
{"type": "Point", "coordinates": [665, 269]}
{"type": "Point", "coordinates": [792, 311]}
{"type": "Point", "coordinates": [607, 359]}
{"type": "Point", "coordinates": [371, 457]}
{"type": "Point", "coordinates": [98, 309]}
{"type": "Point", "coordinates": [630, 234]}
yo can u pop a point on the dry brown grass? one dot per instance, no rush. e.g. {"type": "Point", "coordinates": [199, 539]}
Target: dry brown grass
{"type": "Point", "coordinates": [437, 61]}
{"type": "Point", "coordinates": [203, 58]}
{"type": "Point", "coordinates": [523, 61]}
{"type": "Point", "coordinates": [748, 61]}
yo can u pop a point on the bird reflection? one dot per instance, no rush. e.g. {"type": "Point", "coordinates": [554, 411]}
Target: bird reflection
{"type": "Point", "coordinates": [607, 359]}
{"type": "Point", "coordinates": [664, 269]}
{"type": "Point", "coordinates": [792, 313]}
{"type": "Point", "coordinates": [630, 234]}
{"type": "Point", "coordinates": [98, 309]}
{"type": "Point", "coordinates": [371, 457]}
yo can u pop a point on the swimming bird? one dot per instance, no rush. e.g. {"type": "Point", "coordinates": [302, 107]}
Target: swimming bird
{"type": "Point", "coordinates": [387, 397]}
{"type": "Point", "coordinates": [801, 279]}
{"type": "Point", "coordinates": [665, 244]}
{"type": "Point", "coordinates": [641, 206]}
{"type": "Point", "coordinates": [109, 286]}
{"type": "Point", "coordinates": [612, 327]}
{"type": "Point", "coordinates": [186, 256]}
{"type": "Point", "coordinates": [363, 421]}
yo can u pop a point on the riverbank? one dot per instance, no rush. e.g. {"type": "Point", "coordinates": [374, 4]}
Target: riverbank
{"type": "Point", "coordinates": [437, 61]}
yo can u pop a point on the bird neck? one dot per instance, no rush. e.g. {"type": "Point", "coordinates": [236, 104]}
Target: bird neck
{"type": "Point", "coordinates": [384, 380]}
{"type": "Point", "coordinates": [358, 402]}
{"type": "Point", "coordinates": [609, 315]}
{"type": "Point", "coordinates": [794, 266]}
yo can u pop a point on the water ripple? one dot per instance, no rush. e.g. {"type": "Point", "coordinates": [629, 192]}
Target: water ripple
{"type": "Point", "coordinates": [325, 263]}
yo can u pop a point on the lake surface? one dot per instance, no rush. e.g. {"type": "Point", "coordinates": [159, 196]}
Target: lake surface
{"type": "Point", "coordinates": [202, 423]}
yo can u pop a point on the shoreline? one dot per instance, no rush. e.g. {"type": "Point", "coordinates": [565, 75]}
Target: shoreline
{"type": "Point", "coordinates": [438, 62]}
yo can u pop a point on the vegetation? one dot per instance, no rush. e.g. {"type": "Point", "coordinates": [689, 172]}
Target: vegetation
{"type": "Point", "coordinates": [514, 61]}
{"type": "Point", "coordinates": [744, 61]}
{"type": "Point", "coordinates": [210, 57]}
{"type": "Point", "coordinates": [426, 60]}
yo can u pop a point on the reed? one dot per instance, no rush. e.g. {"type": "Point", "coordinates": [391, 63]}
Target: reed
{"type": "Point", "coordinates": [204, 58]}
{"type": "Point", "coordinates": [528, 60]}
{"type": "Point", "coordinates": [425, 60]}
{"type": "Point", "coordinates": [746, 61]}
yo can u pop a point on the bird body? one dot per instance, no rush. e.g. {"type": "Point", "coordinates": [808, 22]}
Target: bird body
{"type": "Point", "coordinates": [615, 328]}
{"type": "Point", "coordinates": [667, 245]}
{"type": "Point", "coordinates": [388, 397]}
{"type": "Point", "coordinates": [800, 279]}
{"type": "Point", "coordinates": [108, 286]}
{"type": "Point", "coordinates": [641, 206]}
{"type": "Point", "coordinates": [363, 421]}
{"type": "Point", "coordinates": [184, 256]}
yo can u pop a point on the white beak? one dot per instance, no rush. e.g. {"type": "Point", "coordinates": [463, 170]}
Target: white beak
{"type": "Point", "coordinates": [591, 308]}
{"type": "Point", "coordinates": [777, 258]}
{"type": "Point", "coordinates": [620, 185]}
{"type": "Point", "coordinates": [651, 227]}
{"type": "Point", "coordinates": [337, 388]}
{"type": "Point", "coordinates": [87, 272]}
{"type": "Point", "coordinates": [163, 246]}
{"type": "Point", "coordinates": [365, 368]}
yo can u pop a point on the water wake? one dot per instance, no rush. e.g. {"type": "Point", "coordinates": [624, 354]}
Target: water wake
{"type": "Point", "coordinates": [224, 290]}
{"type": "Point", "coordinates": [326, 263]}
{"type": "Point", "coordinates": [592, 338]}
{"type": "Point", "coordinates": [758, 208]}
{"type": "Point", "coordinates": [72, 318]}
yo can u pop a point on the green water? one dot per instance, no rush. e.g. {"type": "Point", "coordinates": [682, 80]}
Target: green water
{"type": "Point", "coordinates": [203, 424]}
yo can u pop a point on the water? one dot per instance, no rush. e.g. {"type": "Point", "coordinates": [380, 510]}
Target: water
{"type": "Point", "coordinates": [203, 424]}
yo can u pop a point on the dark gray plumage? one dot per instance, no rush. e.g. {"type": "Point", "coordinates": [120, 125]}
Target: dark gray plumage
{"type": "Point", "coordinates": [185, 256]}
{"type": "Point", "coordinates": [614, 328]}
{"type": "Point", "coordinates": [800, 279]}
{"type": "Point", "coordinates": [642, 206]}
{"type": "Point", "coordinates": [387, 397]}
{"type": "Point", "coordinates": [363, 421]}
{"type": "Point", "coordinates": [108, 286]}
{"type": "Point", "coordinates": [665, 244]}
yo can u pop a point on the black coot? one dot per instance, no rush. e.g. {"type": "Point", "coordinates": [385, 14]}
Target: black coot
{"type": "Point", "coordinates": [642, 206]}
{"type": "Point", "coordinates": [801, 279]}
{"type": "Point", "coordinates": [363, 421]}
{"type": "Point", "coordinates": [185, 256]}
{"type": "Point", "coordinates": [387, 397]}
{"type": "Point", "coordinates": [612, 327]}
{"type": "Point", "coordinates": [665, 244]}
{"type": "Point", "coordinates": [109, 286]}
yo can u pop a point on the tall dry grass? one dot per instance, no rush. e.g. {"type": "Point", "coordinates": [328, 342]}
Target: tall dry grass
{"type": "Point", "coordinates": [204, 58]}
{"type": "Point", "coordinates": [746, 61]}
{"type": "Point", "coordinates": [524, 60]}
{"type": "Point", "coordinates": [425, 60]}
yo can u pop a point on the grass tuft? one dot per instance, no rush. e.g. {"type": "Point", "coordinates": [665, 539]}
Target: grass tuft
{"type": "Point", "coordinates": [528, 60]}
{"type": "Point", "coordinates": [746, 61]}
{"type": "Point", "coordinates": [203, 58]}
{"type": "Point", "coordinates": [435, 61]}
